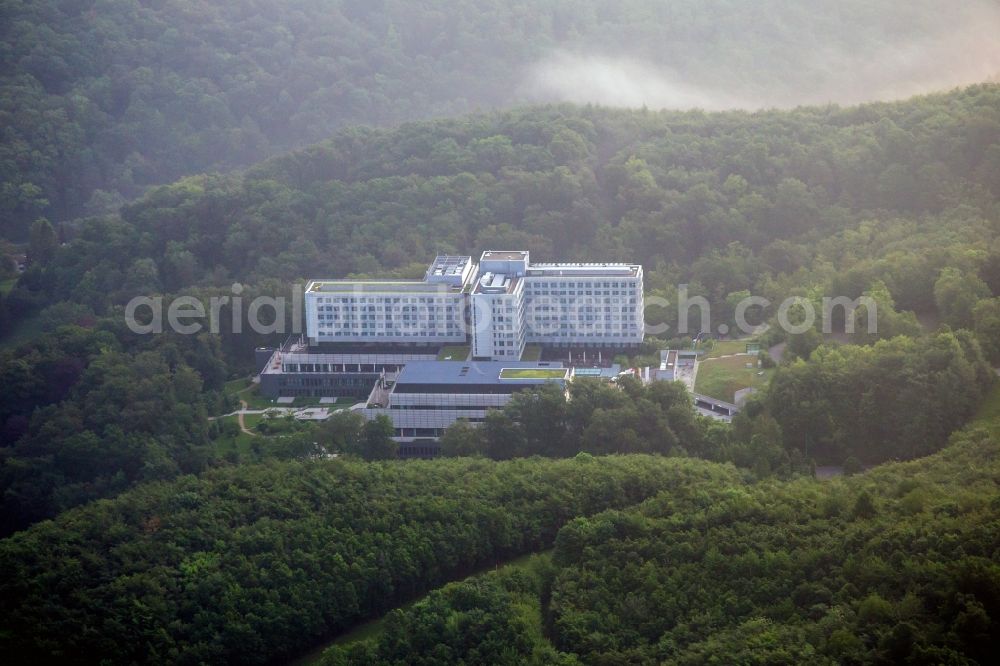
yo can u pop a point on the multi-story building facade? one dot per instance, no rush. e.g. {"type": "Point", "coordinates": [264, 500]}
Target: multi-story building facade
{"type": "Point", "coordinates": [378, 341]}
{"type": "Point", "coordinates": [498, 306]}
{"type": "Point", "coordinates": [554, 305]}
{"type": "Point", "coordinates": [293, 371]}
{"type": "Point", "coordinates": [498, 317]}
{"type": "Point", "coordinates": [428, 311]}
{"type": "Point", "coordinates": [584, 305]}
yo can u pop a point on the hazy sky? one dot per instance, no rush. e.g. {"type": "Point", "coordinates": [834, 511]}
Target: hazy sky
{"type": "Point", "coordinates": [947, 44]}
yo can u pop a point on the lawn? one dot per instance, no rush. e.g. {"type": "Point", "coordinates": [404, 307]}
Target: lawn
{"type": "Point", "coordinates": [251, 420]}
{"type": "Point", "coordinates": [726, 347]}
{"type": "Point", "coordinates": [454, 353]}
{"type": "Point", "coordinates": [255, 400]}
{"type": "Point", "coordinates": [533, 373]}
{"type": "Point", "coordinates": [244, 388]}
{"type": "Point", "coordinates": [722, 377]}
{"type": "Point", "coordinates": [240, 443]}
{"type": "Point", "coordinates": [236, 385]}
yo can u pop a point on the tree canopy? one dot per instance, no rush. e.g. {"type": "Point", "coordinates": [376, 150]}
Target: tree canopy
{"type": "Point", "coordinates": [100, 99]}
{"type": "Point", "coordinates": [253, 563]}
{"type": "Point", "coordinates": [895, 566]}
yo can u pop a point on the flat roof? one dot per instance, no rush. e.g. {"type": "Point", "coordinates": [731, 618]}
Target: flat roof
{"type": "Point", "coordinates": [496, 283]}
{"type": "Point", "coordinates": [608, 373]}
{"type": "Point", "coordinates": [476, 372]}
{"type": "Point", "coordinates": [451, 269]}
{"type": "Point", "coordinates": [446, 265]}
{"type": "Point", "coordinates": [450, 261]}
{"type": "Point", "coordinates": [533, 373]}
{"type": "Point", "coordinates": [278, 360]}
{"type": "Point", "coordinates": [505, 255]}
{"type": "Point", "coordinates": [583, 269]}
{"type": "Point", "coordinates": [378, 286]}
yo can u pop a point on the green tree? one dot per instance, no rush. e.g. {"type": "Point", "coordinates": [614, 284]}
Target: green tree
{"type": "Point", "coordinates": [461, 439]}
{"type": "Point", "coordinates": [377, 439]}
{"type": "Point", "coordinates": [541, 416]}
{"type": "Point", "coordinates": [986, 325]}
{"type": "Point", "coordinates": [42, 243]}
{"type": "Point", "coordinates": [504, 438]}
{"type": "Point", "coordinates": [342, 432]}
{"type": "Point", "coordinates": [956, 294]}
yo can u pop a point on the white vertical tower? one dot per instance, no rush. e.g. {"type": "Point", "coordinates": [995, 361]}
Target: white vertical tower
{"type": "Point", "coordinates": [498, 331]}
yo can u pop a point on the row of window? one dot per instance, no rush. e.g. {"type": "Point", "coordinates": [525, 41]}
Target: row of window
{"type": "Point", "coordinates": [587, 284]}
{"type": "Point", "coordinates": [341, 367]}
{"type": "Point", "coordinates": [372, 317]}
{"type": "Point", "coordinates": [358, 383]}
{"type": "Point", "coordinates": [621, 331]}
{"type": "Point", "coordinates": [571, 314]}
{"type": "Point", "coordinates": [380, 308]}
{"type": "Point", "coordinates": [391, 299]}
{"type": "Point", "coordinates": [440, 407]}
{"type": "Point", "coordinates": [328, 331]}
{"type": "Point", "coordinates": [607, 295]}
{"type": "Point", "coordinates": [389, 327]}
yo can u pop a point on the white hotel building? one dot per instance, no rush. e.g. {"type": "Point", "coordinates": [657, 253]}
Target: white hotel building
{"type": "Point", "coordinates": [498, 306]}
{"type": "Point", "coordinates": [428, 311]}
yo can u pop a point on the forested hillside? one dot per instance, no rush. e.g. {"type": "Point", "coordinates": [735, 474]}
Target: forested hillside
{"type": "Point", "coordinates": [100, 99]}
{"type": "Point", "coordinates": [896, 566]}
{"type": "Point", "coordinates": [897, 201]}
{"type": "Point", "coordinates": [249, 564]}
{"type": "Point", "coordinates": [165, 148]}
{"type": "Point", "coordinates": [882, 193]}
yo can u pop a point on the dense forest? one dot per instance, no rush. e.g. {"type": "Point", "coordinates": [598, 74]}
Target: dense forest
{"type": "Point", "coordinates": [877, 198]}
{"type": "Point", "coordinates": [252, 563]}
{"type": "Point", "coordinates": [99, 99]}
{"type": "Point", "coordinates": [896, 566]}
{"type": "Point", "coordinates": [896, 201]}
{"type": "Point", "coordinates": [144, 153]}
{"type": "Point", "coordinates": [897, 399]}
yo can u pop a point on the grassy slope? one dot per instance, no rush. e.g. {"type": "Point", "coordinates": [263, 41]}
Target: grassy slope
{"type": "Point", "coordinates": [722, 377]}
{"type": "Point", "coordinates": [725, 348]}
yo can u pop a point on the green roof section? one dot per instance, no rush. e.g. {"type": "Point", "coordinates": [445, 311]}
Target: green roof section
{"type": "Point", "coordinates": [533, 373]}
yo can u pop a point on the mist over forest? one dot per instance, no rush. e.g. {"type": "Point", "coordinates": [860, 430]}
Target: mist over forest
{"type": "Point", "coordinates": [820, 490]}
{"type": "Point", "coordinates": [101, 99]}
{"type": "Point", "coordinates": [752, 55]}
